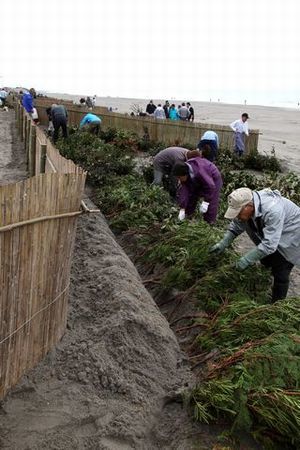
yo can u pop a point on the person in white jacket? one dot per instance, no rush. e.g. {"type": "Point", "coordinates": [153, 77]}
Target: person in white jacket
{"type": "Point", "coordinates": [240, 128]}
{"type": "Point", "coordinates": [159, 113]}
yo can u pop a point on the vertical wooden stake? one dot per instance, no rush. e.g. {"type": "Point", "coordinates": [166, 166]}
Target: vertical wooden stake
{"type": "Point", "coordinates": [27, 135]}
{"type": "Point", "coordinates": [32, 149]}
{"type": "Point", "coordinates": [43, 158]}
{"type": "Point", "coordinates": [21, 123]}
{"type": "Point", "coordinates": [17, 116]}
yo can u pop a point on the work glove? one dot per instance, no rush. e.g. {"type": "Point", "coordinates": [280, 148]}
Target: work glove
{"type": "Point", "coordinates": [203, 207]}
{"type": "Point", "coordinates": [249, 259]}
{"type": "Point", "coordinates": [181, 215]}
{"type": "Point", "coordinates": [223, 244]}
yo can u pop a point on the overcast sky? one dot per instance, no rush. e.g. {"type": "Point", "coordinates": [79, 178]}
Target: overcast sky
{"type": "Point", "coordinates": [153, 48]}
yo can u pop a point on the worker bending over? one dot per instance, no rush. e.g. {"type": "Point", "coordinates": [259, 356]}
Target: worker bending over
{"type": "Point", "coordinates": [273, 224]}
{"type": "Point", "coordinates": [210, 143]}
{"type": "Point", "coordinates": [198, 178]}
{"type": "Point", "coordinates": [91, 123]}
{"type": "Point", "coordinates": [165, 160]}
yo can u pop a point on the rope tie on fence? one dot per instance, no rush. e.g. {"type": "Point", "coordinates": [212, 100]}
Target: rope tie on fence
{"type": "Point", "coordinates": [35, 314]}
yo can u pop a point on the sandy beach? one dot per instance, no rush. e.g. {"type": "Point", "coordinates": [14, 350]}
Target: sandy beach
{"type": "Point", "coordinates": [279, 127]}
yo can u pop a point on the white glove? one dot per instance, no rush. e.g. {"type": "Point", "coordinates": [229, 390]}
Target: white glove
{"type": "Point", "coordinates": [181, 215]}
{"type": "Point", "coordinates": [203, 207]}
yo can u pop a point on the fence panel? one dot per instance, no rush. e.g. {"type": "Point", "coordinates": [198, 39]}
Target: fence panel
{"type": "Point", "coordinates": [35, 259]}
{"type": "Point", "coordinates": [162, 130]}
{"type": "Point", "coordinates": [37, 230]}
{"type": "Point", "coordinates": [57, 163]}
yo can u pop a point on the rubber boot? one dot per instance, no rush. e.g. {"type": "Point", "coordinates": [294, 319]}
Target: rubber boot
{"type": "Point", "coordinates": [279, 290]}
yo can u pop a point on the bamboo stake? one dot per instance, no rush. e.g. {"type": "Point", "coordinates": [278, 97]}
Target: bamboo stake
{"type": "Point", "coordinates": [43, 157]}
{"type": "Point", "coordinates": [32, 149]}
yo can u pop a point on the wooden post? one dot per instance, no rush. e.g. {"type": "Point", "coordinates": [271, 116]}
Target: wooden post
{"type": "Point", "coordinates": [21, 123]}
{"type": "Point", "coordinates": [24, 125]}
{"type": "Point", "coordinates": [17, 116]}
{"type": "Point", "coordinates": [27, 136]}
{"type": "Point", "coordinates": [32, 149]}
{"type": "Point", "coordinates": [43, 158]}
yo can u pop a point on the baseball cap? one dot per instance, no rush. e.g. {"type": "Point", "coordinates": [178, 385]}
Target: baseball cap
{"type": "Point", "coordinates": [236, 200]}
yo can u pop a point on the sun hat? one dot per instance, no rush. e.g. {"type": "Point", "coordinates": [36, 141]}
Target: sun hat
{"type": "Point", "coordinates": [236, 200]}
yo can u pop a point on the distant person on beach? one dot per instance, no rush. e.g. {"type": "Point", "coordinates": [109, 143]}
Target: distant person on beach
{"type": "Point", "coordinates": [183, 112]}
{"type": "Point", "coordinates": [89, 102]}
{"type": "Point", "coordinates": [82, 101]}
{"type": "Point", "coordinates": [173, 114]}
{"type": "Point", "coordinates": [94, 100]}
{"type": "Point", "coordinates": [159, 113]}
{"type": "Point", "coordinates": [199, 178]}
{"type": "Point", "coordinates": [59, 117]}
{"type": "Point", "coordinates": [150, 108]}
{"type": "Point", "coordinates": [91, 123]}
{"type": "Point", "coordinates": [240, 128]}
{"type": "Point", "coordinates": [191, 116]}
{"type": "Point", "coordinates": [164, 162]}
{"type": "Point", "coordinates": [209, 142]}
{"type": "Point", "coordinates": [3, 96]}
{"type": "Point", "coordinates": [166, 109]}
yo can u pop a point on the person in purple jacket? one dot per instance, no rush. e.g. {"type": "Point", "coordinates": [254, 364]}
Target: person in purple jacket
{"type": "Point", "coordinates": [199, 178]}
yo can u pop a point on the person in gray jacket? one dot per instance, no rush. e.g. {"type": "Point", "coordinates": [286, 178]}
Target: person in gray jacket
{"type": "Point", "coordinates": [273, 224]}
{"type": "Point", "coordinates": [164, 162]}
{"type": "Point", "coordinates": [59, 117]}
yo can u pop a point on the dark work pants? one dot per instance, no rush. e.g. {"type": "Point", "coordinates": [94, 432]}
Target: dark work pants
{"type": "Point", "coordinates": [94, 127]}
{"type": "Point", "coordinates": [281, 269]}
{"type": "Point", "coordinates": [57, 124]}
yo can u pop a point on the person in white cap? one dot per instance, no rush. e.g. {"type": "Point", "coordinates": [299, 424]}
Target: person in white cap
{"type": "Point", "coordinates": [273, 224]}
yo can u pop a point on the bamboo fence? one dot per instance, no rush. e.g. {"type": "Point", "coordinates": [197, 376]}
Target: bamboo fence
{"type": "Point", "coordinates": [172, 133]}
{"type": "Point", "coordinates": [37, 230]}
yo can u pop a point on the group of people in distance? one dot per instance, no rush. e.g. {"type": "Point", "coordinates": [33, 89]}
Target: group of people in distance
{"type": "Point", "coordinates": [183, 112]}
{"type": "Point", "coordinates": [89, 102]}
{"type": "Point", "coordinates": [271, 221]}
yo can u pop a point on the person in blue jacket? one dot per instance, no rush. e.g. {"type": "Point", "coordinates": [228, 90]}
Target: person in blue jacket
{"type": "Point", "coordinates": [91, 123]}
{"type": "Point", "coordinates": [173, 114]}
{"type": "Point", "coordinates": [27, 102]}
